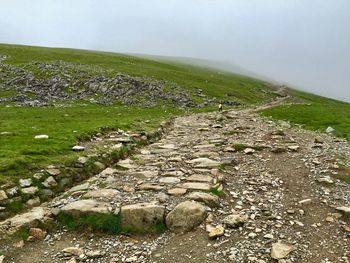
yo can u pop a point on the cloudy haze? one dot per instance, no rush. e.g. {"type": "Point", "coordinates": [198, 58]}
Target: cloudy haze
{"type": "Point", "coordinates": [302, 42]}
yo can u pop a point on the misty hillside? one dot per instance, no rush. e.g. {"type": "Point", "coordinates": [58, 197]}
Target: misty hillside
{"type": "Point", "coordinates": [99, 149]}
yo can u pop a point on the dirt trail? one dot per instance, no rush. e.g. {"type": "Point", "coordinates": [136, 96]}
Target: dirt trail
{"type": "Point", "coordinates": [277, 176]}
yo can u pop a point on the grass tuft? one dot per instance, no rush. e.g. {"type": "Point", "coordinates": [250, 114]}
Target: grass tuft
{"type": "Point", "coordinates": [105, 223]}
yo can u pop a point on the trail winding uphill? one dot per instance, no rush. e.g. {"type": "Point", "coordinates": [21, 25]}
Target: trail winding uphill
{"type": "Point", "coordinates": [228, 187]}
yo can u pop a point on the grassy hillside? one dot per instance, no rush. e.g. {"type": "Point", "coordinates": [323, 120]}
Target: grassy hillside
{"type": "Point", "coordinates": [315, 113]}
{"type": "Point", "coordinates": [21, 155]}
{"type": "Point", "coordinates": [214, 83]}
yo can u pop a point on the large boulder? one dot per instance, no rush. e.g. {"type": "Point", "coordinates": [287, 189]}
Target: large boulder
{"type": "Point", "coordinates": [85, 207]}
{"type": "Point", "coordinates": [185, 217]}
{"type": "Point", "coordinates": [142, 217]}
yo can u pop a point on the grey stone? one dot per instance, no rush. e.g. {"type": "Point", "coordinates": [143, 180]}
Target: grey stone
{"type": "Point", "coordinates": [49, 182]}
{"type": "Point", "coordinates": [235, 221]}
{"type": "Point", "coordinates": [142, 217]}
{"type": "Point", "coordinates": [169, 180]}
{"type": "Point", "coordinates": [196, 186]}
{"type": "Point", "coordinates": [185, 217]}
{"type": "Point", "coordinates": [209, 199]}
{"type": "Point", "coordinates": [280, 250]}
{"type": "Point", "coordinates": [85, 207]}
{"type": "Point", "coordinates": [102, 193]}
{"type": "Point", "coordinates": [25, 182]}
{"type": "Point", "coordinates": [30, 190]}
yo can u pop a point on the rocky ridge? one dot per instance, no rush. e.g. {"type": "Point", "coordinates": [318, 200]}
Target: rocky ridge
{"type": "Point", "coordinates": [57, 84]}
{"type": "Point", "coordinates": [228, 186]}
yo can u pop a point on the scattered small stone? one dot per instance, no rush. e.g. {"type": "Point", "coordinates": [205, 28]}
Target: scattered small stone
{"type": "Point", "coordinates": [281, 250]}
{"type": "Point", "coordinates": [41, 136]}
{"type": "Point", "coordinates": [78, 148]}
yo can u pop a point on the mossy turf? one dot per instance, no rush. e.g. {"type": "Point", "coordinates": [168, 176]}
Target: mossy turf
{"type": "Point", "coordinates": [105, 223]}
{"type": "Point", "coordinates": [315, 113]}
{"type": "Point", "coordinates": [20, 152]}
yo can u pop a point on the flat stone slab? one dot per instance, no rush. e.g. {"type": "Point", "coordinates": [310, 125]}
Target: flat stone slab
{"type": "Point", "coordinates": [173, 173]}
{"type": "Point", "coordinates": [169, 180]}
{"type": "Point", "coordinates": [108, 171]}
{"type": "Point", "coordinates": [145, 174]}
{"type": "Point", "coordinates": [151, 186]}
{"type": "Point", "coordinates": [200, 178]}
{"type": "Point", "coordinates": [167, 146]}
{"type": "Point", "coordinates": [344, 209]}
{"type": "Point", "coordinates": [177, 191]}
{"type": "Point", "coordinates": [85, 207]}
{"type": "Point", "coordinates": [142, 217]}
{"type": "Point", "coordinates": [207, 198]}
{"type": "Point", "coordinates": [127, 163]}
{"type": "Point", "coordinates": [10, 225]}
{"type": "Point", "coordinates": [204, 163]}
{"type": "Point", "coordinates": [102, 193]}
{"type": "Point", "coordinates": [30, 190]}
{"type": "Point", "coordinates": [80, 187]}
{"type": "Point", "coordinates": [196, 186]}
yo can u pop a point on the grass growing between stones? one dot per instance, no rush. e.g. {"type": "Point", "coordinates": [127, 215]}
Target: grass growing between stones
{"type": "Point", "coordinates": [105, 223]}
{"type": "Point", "coordinates": [157, 229]}
{"type": "Point", "coordinates": [239, 147]}
{"type": "Point", "coordinates": [217, 192]}
{"type": "Point", "coordinates": [344, 173]}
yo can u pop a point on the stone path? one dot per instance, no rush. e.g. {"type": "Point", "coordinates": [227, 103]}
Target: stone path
{"type": "Point", "coordinates": [226, 186]}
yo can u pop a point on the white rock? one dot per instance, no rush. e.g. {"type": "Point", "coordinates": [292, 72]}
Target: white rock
{"type": "Point", "coordinates": [330, 130]}
{"type": "Point", "coordinates": [344, 209]}
{"type": "Point", "coordinates": [25, 182]}
{"type": "Point", "coordinates": [78, 148]}
{"type": "Point", "coordinates": [41, 136]}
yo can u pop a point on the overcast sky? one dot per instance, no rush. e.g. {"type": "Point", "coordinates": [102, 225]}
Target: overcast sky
{"type": "Point", "coordinates": [302, 42]}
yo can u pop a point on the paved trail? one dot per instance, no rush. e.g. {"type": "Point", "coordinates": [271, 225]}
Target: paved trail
{"type": "Point", "coordinates": [280, 194]}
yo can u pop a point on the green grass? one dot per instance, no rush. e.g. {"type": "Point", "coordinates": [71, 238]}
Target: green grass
{"type": "Point", "coordinates": [239, 147]}
{"type": "Point", "coordinates": [316, 113]}
{"type": "Point", "coordinates": [105, 223]}
{"type": "Point", "coordinates": [20, 151]}
{"type": "Point", "coordinates": [217, 192]}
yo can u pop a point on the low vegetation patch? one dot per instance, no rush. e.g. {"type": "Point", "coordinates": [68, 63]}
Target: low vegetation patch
{"type": "Point", "coordinates": [105, 223]}
{"type": "Point", "coordinates": [316, 113]}
{"type": "Point", "coordinates": [239, 147]}
{"type": "Point", "coordinates": [217, 192]}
